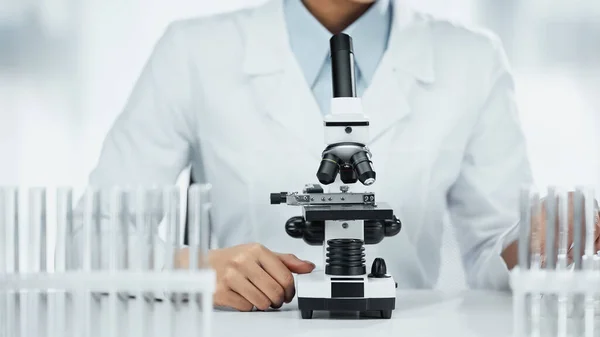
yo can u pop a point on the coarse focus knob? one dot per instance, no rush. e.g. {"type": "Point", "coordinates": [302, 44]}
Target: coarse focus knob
{"type": "Point", "coordinates": [278, 198]}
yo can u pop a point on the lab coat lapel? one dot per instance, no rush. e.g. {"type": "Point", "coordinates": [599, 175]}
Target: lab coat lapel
{"type": "Point", "coordinates": [407, 63]}
{"type": "Point", "coordinates": [276, 79]}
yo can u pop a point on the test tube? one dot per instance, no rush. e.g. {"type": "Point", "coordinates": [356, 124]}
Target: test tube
{"type": "Point", "coordinates": [117, 253]}
{"type": "Point", "coordinates": [89, 254]}
{"type": "Point", "coordinates": [562, 259]}
{"type": "Point", "coordinates": [597, 295]}
{"type": "Point", "coordinates": [172, 225]}
{"type": "Point", "coordinates": [551, 299]}
{"type": "Point", "coordinates": [525, 229]}
{"type": "Point", "coordinates": [4, 304]}
{"type": "Point", "coordinates": [153, 205]}
{"type": "Point", "coordinates": [62, 259]}
{"type": "Point", "coordinates": [588, 258]}
{"type": "Point", "coordinates": [536, 256]}
{"type": "Point", "coordinates": [199, 239]}
{"type": "Point", "coordinates": [576, 253]}
{"type": "Point", "coordinates": [37, 258]}
{"type": "Point", "coordinates": [137, 258]}
{"type": "Point", "coordinates": [551, 228]}
{"type": "Point", "coordinates": [9, 226]}
{"type": "Point", "coordinates": [522, 300]}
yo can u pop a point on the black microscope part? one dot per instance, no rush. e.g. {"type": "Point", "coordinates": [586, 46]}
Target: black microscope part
{"type": "Point", "coordinates": [328, 169]}
{"type": "Point", "coordinates": [392, 227]}
{"type": "Point", "coordinates": [363, 166]}
{"type": "Point", "coordinates": [313, 232]}
{"type": "Point", "coordinates": [278, 198]}
{"type": "Point", "coordinates": [295, 227]}
{"type": "Point", "coordinates": [342, 66]}
{"type": "Point", "coordinates": [378, 269]}
{"type": "Point", "coordinates": [313, 188]}
{"type": "Point", "coordinates": [345, 257]}
{"type": "Point", "coordinates": [348, 175]}
{"type": "Point", "coordinates": [381, 211]}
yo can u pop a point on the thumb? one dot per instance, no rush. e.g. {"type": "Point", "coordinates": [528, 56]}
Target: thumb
{"type": "Point", "coordinates": [295, 265]}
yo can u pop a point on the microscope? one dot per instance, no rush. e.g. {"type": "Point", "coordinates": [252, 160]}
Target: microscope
{"type": "Point", "coordinates": [341, 220]}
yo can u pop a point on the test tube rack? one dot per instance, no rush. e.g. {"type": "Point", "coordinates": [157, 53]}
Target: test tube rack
{"type": "Point", "coordinates": [556, 288]}
{"type": "Point", "coordinates": [109, 274]}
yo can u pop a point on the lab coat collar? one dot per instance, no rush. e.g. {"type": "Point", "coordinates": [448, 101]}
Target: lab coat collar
{"type": "Point", "coordinates": [267, 41]}
{"type": "Point", "coordinates": [279, 86]}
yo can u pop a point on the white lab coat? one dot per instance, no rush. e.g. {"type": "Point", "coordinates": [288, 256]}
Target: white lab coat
{"type": "Point", "coordinates": [226, 94]}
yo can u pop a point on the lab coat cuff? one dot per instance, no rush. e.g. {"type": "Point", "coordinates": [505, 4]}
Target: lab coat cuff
{"type": "Point", "coordinates": [499, 274]}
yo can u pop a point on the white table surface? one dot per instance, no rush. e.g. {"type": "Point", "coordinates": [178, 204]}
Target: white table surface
{"type": "Point", "coordinates": [418, 313]}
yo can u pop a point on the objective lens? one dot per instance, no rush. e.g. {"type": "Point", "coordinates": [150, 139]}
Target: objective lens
{"type": "Point", "coordinates": [328, 170]}
{"type": "Point", "coordinates": [364, 169]}
{"type": "Point", "coordinates": [347, 174]}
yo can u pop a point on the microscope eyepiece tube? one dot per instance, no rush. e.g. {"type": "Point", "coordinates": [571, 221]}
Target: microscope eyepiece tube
{"type": "Point", "coordinates": [342, 66]}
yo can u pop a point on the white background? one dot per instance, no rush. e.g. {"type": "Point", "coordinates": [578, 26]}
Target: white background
{"type": "Point", "coordinates": [68, 67]}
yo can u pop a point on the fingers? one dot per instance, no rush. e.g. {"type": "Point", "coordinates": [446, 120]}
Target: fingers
{"type": "Point", "coordinates": [296, 265]}
{"type": "Point", "coordinates": [242, 286]}
{"type": "Point", "coordinates": [256, 275]}
{"type": "Point", "coordinates": [233, 300]}
{"type": "Point", "coordinates": [280, 273]}
{"type": "Point", "coordinates": [265, 283]}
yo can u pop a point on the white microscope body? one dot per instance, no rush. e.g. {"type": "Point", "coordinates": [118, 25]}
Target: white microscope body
{"type": "Point", "coordinates": [341, 220]}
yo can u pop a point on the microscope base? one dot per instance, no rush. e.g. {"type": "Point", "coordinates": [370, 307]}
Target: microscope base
{"type": "Point", "coordinates": [318, 292]}
{"type": "Point", "coordinates": [384, 306]}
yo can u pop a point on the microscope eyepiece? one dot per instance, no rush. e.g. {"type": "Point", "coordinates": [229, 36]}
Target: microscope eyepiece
{"type": "Point", "coordinates": [341, 42]}
{"type": "Point", "coordinates": [363, 167]}
{"type": "Point", "coordinates": [329, 169]}
{"type": "Point", "coordinates": [342, 66]}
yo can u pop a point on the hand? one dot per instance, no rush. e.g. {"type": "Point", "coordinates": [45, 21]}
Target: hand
{"type": "Point", "coordinates": [540, 225]}
{"type": "Point", "coordinates": [251, 276]}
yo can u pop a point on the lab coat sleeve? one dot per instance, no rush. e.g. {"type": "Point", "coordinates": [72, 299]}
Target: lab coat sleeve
{"type": "Point", "coordinates": [148, 145]}
{"type": "Point", "coordinates": [483, 202]}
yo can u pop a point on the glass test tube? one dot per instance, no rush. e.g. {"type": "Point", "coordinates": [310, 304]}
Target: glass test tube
{"type": "Point", "coordinates": [4, 293]}
{"type": "Point", "coordinates": [63, 308]}
{"type": "Point", "coordinates": [198, 230]}
{"type": "Point", "coordinates": [117, 246]}
{"type": "Point", "coordinates": [153, 208]}
{"type": "Point", "coordinates": [522, 301]}
{"type": "Point", "coordinates": [172, 225]}
{"type": "Point", "coordinates": [576, 253]}
{"type": "Point", "coordinates": [9, 226]}
{"type": "Point", "coordinates": [137, 259]}
{"type": "Point", "coordinates": [562, 259]}
{"type": "Point", "coordinates": [37, 217]}
{"type": "Point", "coordinates": [551, 299]}
{"type": "Point", "coordinates": [588, 257]}
{"type": "Point", "coordinates": [534, 204]}
{"type": "Point", "coordinates": [89, 254]}
{"type": "Point", "coordinates": [199, 239]}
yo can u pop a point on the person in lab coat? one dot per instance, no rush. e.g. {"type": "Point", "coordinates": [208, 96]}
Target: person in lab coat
{"type": "Point", "coordinates": [241, 98]}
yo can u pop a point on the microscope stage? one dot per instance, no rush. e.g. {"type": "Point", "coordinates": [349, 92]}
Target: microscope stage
{"type": "Point", "coordinates": [381, 211]}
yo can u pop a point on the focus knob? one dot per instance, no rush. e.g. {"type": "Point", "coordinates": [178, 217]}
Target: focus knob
{"type": "Point", "coordinates": [278, 198]}
{"type": "Point", "coordinates": [294, 227]}
{"type": "Point", "coordinates": [378, 269]}
{"type": "Point", "coordinates": [392, 227]}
